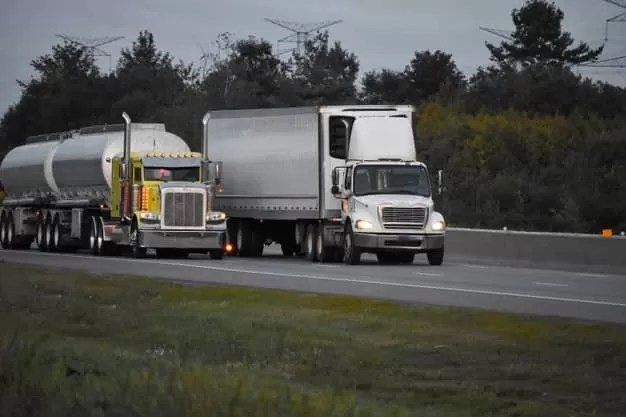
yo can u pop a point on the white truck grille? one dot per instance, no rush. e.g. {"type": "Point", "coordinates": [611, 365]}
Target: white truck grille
{"type": "Point", "coordinates": [183, 209]}
{"type": "Point", "coordinates": [395, 218]}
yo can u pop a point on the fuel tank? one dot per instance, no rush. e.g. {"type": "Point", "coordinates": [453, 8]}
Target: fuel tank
{"type": "Point", "coordinates": [79, 166]}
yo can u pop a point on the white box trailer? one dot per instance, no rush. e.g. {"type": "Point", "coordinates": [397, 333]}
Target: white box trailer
{"type": "Point", "coordinates": [327, 182]}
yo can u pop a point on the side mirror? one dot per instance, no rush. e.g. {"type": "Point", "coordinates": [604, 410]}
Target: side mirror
{"type": "Point", "coordinates": [335, 190]}
{"type": "Point", "coordinates": [218, 171]}
{"type": "Point", "coordinates": [440, 181]}
{"type": "Point", "coordinates": [335, 180]}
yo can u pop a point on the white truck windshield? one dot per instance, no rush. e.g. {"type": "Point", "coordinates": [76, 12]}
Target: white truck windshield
{"type": "Point", "coordinates": [391, 179]}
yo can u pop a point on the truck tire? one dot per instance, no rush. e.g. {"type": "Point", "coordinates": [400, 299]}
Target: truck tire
{"type": "Point", "coordinates": [310, 237]}
{"type": "Point", "coordinates": [48, 234]}
{"type": "Point", "coordinates": [323, 251]}
{"type": "Point", "coordinates": [40, 235]}
{"type": "Point", "coordinates": [4, 231]}
{"type": "Point", "coordinates": [136, 250]}
{"type": "Point", "coordinates": [435, 256]}
{"type": "Point", "coordinates": [352, 254]}
{"type": "Point", "coordinates": [249, 241]}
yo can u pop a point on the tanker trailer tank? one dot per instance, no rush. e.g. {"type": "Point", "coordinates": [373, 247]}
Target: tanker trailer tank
{"type": "Point", "coordinates": [26, 171]}
{"type": "Point", "coordinates": [108, 188]}
{"type": "Point", "coordinates": [82, 166]}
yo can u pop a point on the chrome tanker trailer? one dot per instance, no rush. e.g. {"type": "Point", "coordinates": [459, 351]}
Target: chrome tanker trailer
{"type": "Point", "coordinates": [105, 188]}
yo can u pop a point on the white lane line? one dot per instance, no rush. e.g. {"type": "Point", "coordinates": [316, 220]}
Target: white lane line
{"type": "Point", "coordinates": [590, 275]}
{"type": "Point", "coordinates": [426, 274]}
{"type": "Point", "coordinates": [475, 266]}
{"type": "Point", "coordinates": [352, 280]}
{"type": "Point", "coordinates": [550, 284]}
{"type": "Point", "coordinates": [324, 266]}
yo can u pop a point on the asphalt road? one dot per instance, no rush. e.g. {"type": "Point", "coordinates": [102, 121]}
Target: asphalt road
{"type": "Point", "coordinates": [459, 282]}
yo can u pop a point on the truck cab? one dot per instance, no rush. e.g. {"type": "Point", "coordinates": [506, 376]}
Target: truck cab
{"type": "Point", "coordinates": [385, 193]}
{"type": "Point", "coordinates": [170, 193]}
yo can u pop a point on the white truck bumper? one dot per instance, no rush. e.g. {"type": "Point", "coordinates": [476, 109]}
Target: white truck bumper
{"type": "Point", "coordinates": [404, 242]}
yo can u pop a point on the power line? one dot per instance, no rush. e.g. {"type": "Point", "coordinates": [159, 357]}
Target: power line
{"type": "Point", "coordinates": [92, 45]}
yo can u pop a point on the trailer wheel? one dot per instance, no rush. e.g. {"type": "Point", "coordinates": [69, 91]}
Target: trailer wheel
{"type": "Point", "coordinates": [48, 235]}
{"type": "Point", "coordinates": [56, 233]}
{"type": "Point", "coordinates": [40, 237]}
{"type": "Point", "coordinates": [352, 254]}
{"type": "Point", "coordinates": [309, 243]}
{"type": "Point", "coordinates": [3, 231]}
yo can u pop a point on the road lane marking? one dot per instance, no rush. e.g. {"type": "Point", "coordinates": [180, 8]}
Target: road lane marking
{"type": "Point", "coordinates": [590, 275]}
{"type": "Point", "coordinates": [475, 266]}
{"type": "Point", "coordinates": [550, 284]}
{"type": "Point", "coordinates": [426, 274]}
{"type": "Point", "coordinates": [341, 279]}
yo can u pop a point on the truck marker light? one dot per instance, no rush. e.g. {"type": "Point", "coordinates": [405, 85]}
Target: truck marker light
{"type": "Point", "coordinates": [228, 248]}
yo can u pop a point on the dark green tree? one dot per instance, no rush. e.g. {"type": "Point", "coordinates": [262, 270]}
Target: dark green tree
{"type": "Point", "coordinates": [65, 92]}
{"type": "Point", "coordinates": [431, 73]}
{"type": "Point", "coordinates": [384, 87]}
{"type": "Point", "coordinates": [324, 74]}
{"type": "Point", "coordinates": [148, 81]}
{"type": "Point", "coordinates": [539, 38]}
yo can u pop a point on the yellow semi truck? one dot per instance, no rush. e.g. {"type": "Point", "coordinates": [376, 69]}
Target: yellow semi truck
{"type": "Point", "coordinates": [131, 186]}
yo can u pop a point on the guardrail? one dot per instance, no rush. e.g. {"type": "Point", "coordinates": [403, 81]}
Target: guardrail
{"type": "Point", "coordinates": [580, 252]}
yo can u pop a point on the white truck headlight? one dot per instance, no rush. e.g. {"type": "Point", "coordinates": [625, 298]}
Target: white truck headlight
{"type": "Point", "coordinates": [216, 216]}
{"type": "Point", "coordinates": [363, 225]}
{"type": "Point", "coordinates": [438, 226]}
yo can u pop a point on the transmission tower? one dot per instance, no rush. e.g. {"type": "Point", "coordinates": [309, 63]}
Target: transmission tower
{"type": "Point", "coordinates": [300, 35]}
{"type": "Point", "coordinates": [620, 18]}
{"type": "Point", "coordinates": [92, 45]}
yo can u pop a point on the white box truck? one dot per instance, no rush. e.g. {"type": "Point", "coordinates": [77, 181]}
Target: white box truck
{"type": "Point", "coordinates": [329, 183]}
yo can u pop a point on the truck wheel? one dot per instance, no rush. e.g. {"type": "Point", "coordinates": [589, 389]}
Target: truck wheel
{"type": "Point", "coordinates": [136, 250]}
{"type": "Point", "coordinates": [352, 254]}
{"type": "Point", "coordinates": [323, 252]}
{"type": "Point", "coordinates": [435, 256]}
{"type": "Point", "coordinates": [309, 243]}
{"type": "Point", "coordinates": [41, 235]}
{"type": "Point", "coordinates": [3, 232]}
{"type": "Point", "coordinates": [56, 233]}
{"type": "Point", "coordinates": [48, 235]}
{"type": "Point", "coordinates": [93, 236]}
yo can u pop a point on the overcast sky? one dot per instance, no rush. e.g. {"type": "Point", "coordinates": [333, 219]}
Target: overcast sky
{"type": "Point", "coordinates": [381, 33]}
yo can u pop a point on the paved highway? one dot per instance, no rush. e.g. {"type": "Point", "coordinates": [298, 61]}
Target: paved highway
{"type": "Point", "coordinates": [459, 282]}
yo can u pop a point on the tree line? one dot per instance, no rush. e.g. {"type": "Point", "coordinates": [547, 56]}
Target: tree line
{"type": "Point", "coordinates": [524, 142]}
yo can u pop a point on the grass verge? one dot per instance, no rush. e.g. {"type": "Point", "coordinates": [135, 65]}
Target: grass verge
{"type": "Point", "coordinates": [79, 344]}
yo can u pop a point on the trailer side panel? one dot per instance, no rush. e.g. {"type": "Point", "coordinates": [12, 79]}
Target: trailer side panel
{"type": "Point", "coordinates": [271, 162]}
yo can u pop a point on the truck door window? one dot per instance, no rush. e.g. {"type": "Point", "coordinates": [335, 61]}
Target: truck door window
{"type": "Point", "coordinates": [337, 136]}
{"type": "Point", "coordinates": [137, 175]}
{"type": "Point", "coordinates": [348, 179]}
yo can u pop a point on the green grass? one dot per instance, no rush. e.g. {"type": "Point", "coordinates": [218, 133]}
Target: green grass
{"type": "Point", "coordinates": [75, 344]}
